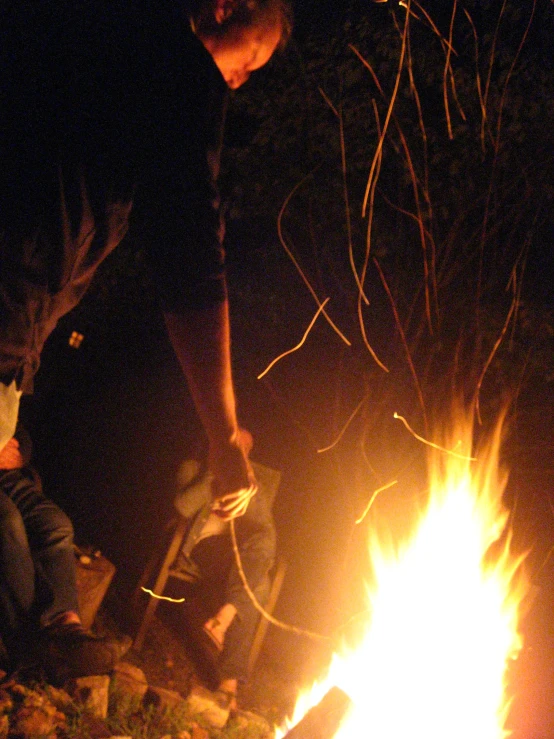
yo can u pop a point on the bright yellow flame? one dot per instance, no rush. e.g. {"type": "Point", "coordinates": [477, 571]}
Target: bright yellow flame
{"type": "Point", "coordinates": [444, 613]}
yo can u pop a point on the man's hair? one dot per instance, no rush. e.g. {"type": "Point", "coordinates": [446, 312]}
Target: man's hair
{"type": "Point", "coordinates": [263, 14]}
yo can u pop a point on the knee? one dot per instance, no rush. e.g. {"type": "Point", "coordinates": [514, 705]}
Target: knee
{"type": "Point", "coordinates": [62, 531]}
{"type": "Point", "coordinates": [11, 521]}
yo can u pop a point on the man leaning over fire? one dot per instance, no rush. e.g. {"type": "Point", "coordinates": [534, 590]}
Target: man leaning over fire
{"type": "Point", "coordinates": [111, 120]}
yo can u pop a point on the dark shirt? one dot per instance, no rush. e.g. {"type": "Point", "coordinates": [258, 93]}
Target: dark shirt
{"type": "Point", "coordinates": [111, 119]}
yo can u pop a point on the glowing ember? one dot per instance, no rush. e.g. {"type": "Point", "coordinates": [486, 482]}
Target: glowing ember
{"type": "Point", "coordinates": [443, 613]}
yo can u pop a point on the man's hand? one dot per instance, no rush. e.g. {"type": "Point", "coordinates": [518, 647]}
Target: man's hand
{"type": "Point", "coordinates": [234, 482]}
{"type": "Point", "coordinates": [201, 339]}
{"type": "Point", "coordinates": [10, 456]}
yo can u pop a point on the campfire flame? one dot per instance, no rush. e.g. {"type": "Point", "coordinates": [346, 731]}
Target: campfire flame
{"type": "Point", "coordinates": [443, 612]}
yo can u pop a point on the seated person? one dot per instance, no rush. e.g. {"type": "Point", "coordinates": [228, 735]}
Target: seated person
{"type": "Point", "coordinates": [39, 612]}
{"type": "Point", "coordinates": [230, 618]}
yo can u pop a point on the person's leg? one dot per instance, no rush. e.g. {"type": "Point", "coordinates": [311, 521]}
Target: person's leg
{"type": "Point", "coordinates": [233, 621]}
{"type": "Point", "coordinates": [233, 663]}
{"type": "Point", "coordinates": [63, 647]}
{"type": "Point", "coordinates": [50, 535]}
{"type": "Point", "coordinates": [17, 572]}
{"type": "Point", "coordinates": [256, 542]}
{"type": "Point", "coordinates": [216, 626]}
{"type": "Point", "coordinates": [233, 625]}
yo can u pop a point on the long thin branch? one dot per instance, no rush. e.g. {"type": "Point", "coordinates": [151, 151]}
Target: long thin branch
{"type": "Point", "coordinates": [258, 606]}
{"type": "Point", "coordinates": [300, 343]}
{"type": "Point", "coordinates": [446, 43]}
{"type": "Point", "coordinates": [432, 444]}
{"type": "Point", "coordinates": [497, 144]}
{"type": "Point", "coordinates": [359, 282]}
{"type": "Point", "coordinates": [351, 417]}
{"type": "Point", "coordinates": [294, 260]}
{"type": "Point", "coordinates": [478, 80]}
{"type": "Point", "coordinates": [511, 70]}
{"type": "Point", "coordinates": [491, 62]}
{"type": "Point", "coordinates": [415, 93]}
{"type": "Point", "coordinates": [367, 252]}
{"type": "Point", "coordinates": [404, 342]}
{"type": "Point", "coordinates": [374, 495]}
{"type": "Point", "coordinates": [445, 73]}
{"type": "Point", "coordinates": [491, 357]}
{"type": "Point", "coordinates": [389, 114]}
{"type": "Point", "coordinates": [429, 272]}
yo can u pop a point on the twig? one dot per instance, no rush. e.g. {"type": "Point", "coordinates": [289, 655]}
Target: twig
{"type": "Point", "coordinates": [511, 70]}
{"type": "Point", "coordinates": [295, 262]}
{"type": "Point", "coordinates": [359, 282]}
{"type": "Point", "coordinates": [328, 101]}
{"type": "Point", "coordinates": [491, 356]}
{"type": "Point", "coordinates": [415, 93]}
{"type": "Point", "coordinates": [162, 597]}
{"type": "Point", "coordinates": [389, 114]}
{"type": "Point", "coordinates": [491, 62]}
{"type": "Point", "coordinates": [367, 252]}
{"type": "Point", "coordinates": [478, 80]}
{"type": "Point", "coordinates": [445, 73]}
{"type": "Point", "coordinates": [257, 605]}
{"type": "Point", "coordinates": [415, 185]}
{"type": "Point", "coordinates": [431, 443]}
{"type": "Point", "coordinates": [404, 341]}
{"type": "Point", "coordinates": [301, 342]}
{"type": "Point", "coordinates": [429, 273]}
{"type": "Point", "coordinates": [372, 499]}
{"type": "Point", "coordinates": [444, 42]}
{"type": "Point", "coordinates": [346, 425]}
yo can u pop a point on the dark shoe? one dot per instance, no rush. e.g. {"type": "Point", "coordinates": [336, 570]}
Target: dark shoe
{"type": "Point", "coordinates": [69, 651]}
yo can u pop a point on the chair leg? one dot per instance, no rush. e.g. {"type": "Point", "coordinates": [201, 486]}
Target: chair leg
{"type": "Point", "coordinates": [263, 623]}
{"type": "Point", "coordinates": [160, 583]}
{"type": "Point", "coordinates": [138, 593]}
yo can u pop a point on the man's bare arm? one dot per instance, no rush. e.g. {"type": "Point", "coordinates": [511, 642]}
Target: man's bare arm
{"type": "Point", "coordinates": [201, 340]}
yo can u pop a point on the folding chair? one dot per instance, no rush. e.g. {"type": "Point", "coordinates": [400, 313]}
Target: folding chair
{"type": "Point", "coordinates": [191, 525]}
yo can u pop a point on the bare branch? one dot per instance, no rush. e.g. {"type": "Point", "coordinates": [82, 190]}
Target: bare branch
{"type": "Point", "coordinates": [300, 343]}
{"type": "Point", "coordinates": [294, 260]}
{"type": "Point", "coordinates": [452, 452]}
{"type": "Point", "coordinates": [404, 342]}
{"type": "Point", "coordinates": [388, 116]}
{"type": "Point", "coordinates": [445, 73]}
{"type": "Point", "coordinates": [372, 499]}
{"type": "Point", "coordinates": [478, 80]}
{"type": "Point", "coordinates": [491, 357]}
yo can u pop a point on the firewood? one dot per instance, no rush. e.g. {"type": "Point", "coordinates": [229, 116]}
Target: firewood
{"type": "Point", "coordinates": [322, 721]}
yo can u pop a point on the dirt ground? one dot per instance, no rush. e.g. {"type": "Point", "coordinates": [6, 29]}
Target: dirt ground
{"type": "Point", "coordinates": [170, 660]}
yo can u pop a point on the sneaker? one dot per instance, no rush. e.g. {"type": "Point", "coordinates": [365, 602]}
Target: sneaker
{"type": "Point", "coordinates": [69, 651]}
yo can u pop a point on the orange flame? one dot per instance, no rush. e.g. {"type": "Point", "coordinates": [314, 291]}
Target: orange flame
{"type": "Point", "coordinates": [444, 611]}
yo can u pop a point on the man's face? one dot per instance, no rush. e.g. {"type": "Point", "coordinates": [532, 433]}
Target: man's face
{"type": "Point", "coordinates": [241, 51]}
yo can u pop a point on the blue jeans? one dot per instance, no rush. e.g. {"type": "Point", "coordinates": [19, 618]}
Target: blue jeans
{"type": "Point", "coordinates": [221, 582]}
{"type": "Point", "coordinates": [37, 560]}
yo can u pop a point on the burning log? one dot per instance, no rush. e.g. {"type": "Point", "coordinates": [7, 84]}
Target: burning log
{"type": "Point", "coordinates": [323, 720]}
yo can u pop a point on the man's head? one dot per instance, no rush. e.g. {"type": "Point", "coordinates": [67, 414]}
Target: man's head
{"type": "Point", "coordinates": [241, 35]}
